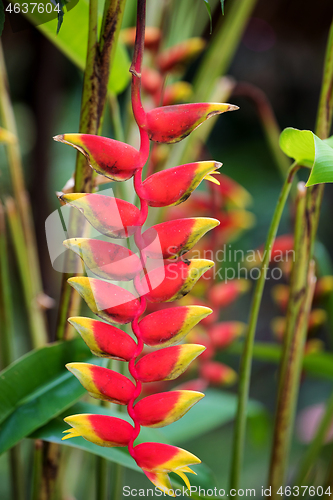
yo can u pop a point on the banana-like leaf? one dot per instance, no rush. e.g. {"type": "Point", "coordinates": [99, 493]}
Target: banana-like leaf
{"type": "Point", "coordinates": [308, 150]}
{"type": "Point", "coordinates": [73, 36]}
{"type": "Point", "coordinates": [37, 387]}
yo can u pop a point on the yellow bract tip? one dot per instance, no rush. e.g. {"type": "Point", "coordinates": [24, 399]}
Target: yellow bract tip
{"type": "Point", "coordinates": [212, 179]}
{"type": "Point", "coordinates": [184, 478]}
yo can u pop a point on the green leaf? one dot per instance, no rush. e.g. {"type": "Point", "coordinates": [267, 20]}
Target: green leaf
{"type": "Point", "coordinates": [308, 150]}
{"type": "Point", "coordinates": [73, 37]}
{"type": "Point", "coordinates": [209, 13]}
{"type": "Point", "coordinates": [37, 387]}
{"type": "Point", "coordinates": [222, 7]}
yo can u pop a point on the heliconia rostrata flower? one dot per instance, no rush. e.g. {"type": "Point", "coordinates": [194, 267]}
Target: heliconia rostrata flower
{"type": "Point", "coordinates": [171, 277]}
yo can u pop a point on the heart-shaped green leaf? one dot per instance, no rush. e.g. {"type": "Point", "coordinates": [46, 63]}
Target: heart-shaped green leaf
{"type": "Point", "coordinates": [308, 150]}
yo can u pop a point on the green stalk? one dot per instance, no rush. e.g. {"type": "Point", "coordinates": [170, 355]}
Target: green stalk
{"type": "Point", "coordinates": [299, 305]}
{"type": "Point", "coordinates": [7, 351]}
{"type": "Point", "coordinates": [36, 323]}
{"type": "Point", "coordinates": [246, 360]}
{"type": "Point", "coordinates": [222, 49]}
{"type": "Point", "coordinates": [322, 130]}
{"type": "Point", "coordinates": [69, 300]}
{"type": "Point", "coordinates": [6, 311]}
{"type": "Point", "coordinates": [102, 466]}
{"type": "Point", "coordinates": [315, 195]}
{"type": "Point", "coordinates": [311, 455]}
{"type": "Point", "coordinates": [28, 251]}
{"type": "Point", "coordinates": [37, 470]}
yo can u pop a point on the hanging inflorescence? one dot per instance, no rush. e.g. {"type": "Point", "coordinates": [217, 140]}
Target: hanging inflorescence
{"type": "Point", "coordinates": [155, 283]}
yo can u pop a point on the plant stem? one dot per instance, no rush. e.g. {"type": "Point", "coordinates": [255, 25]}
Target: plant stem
{"type": "Point", "coordinates": [322, 130]}
{"type": "Point", "coordinates": [117, 481]}
{"type": "Point", "coordinates": [299, 305]}
{"type": "Point", "coordinates": [28, 251]}
{"type": "Point", "coordinates": [20, 248]}
{"type": "Point", "coordinates": [101, 478]}
{"type": "Point", "coordinates": [246, 360]}
{"type": "Point", "coordinates": [7, 350]}
{"type": "Point", "coordinates": [69, 301]}
{"type": "Point", "coordinates": [313, 450]}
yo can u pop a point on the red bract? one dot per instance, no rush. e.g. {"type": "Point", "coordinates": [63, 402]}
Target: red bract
{"type": "Point", "coordinates": [223, 334]}
{"type": "Point", "coordinates": [113, 159]}
{"type": "Point", "coordinates": [174, 280]}
{"type": "Point", "coordinates": [171, 124]}
{"type": "Point", "coordinates": [123, 216]}
{"type": "Point", "coordinates": [170, 326]}
{"type": "Point", "coordinates": [175, 185]}
{"type": "Point", "coordinates": [217, 373]}
{"type": "Point", "coordinates": [106, 260]}
{"type": "Point", "coordinates": [152, 281]}
{"type": "Point", "coordinates": [164, 408]}
{"type": "Point", "coordinates": [102, 383]}
{"type": "Point", "coordinates": [104, 340]}
{"type": "Point", "coordinates": [224, 294]}
{"type": "Point", "coordinates": [108, 301]}
{"type": "Point", "coordinates": [174, 238]}
{"type": "Point", "coordinates": [100, 429]}
{"type": "Point", "coordinates": [170, 59]}
{"type": "Point", "coordinates": [168, 363]}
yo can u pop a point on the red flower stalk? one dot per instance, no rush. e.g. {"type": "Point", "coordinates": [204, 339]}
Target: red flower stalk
{"type": "Point", "coordinates": [166, 281]}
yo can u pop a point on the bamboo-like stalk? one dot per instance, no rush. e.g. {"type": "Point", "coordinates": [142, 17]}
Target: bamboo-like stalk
{"type": "Point", "coordinates": [28, 251]}
{"type": "Point", "coordinates": [299, 305]}
{"type": "Point", "coordinates": [7, 351]}
{"type": "Point", "coordinates": [100, 55]}
{"type": "Point", "coordinates": [21, 251]}
{"type": "Point", "coordinates": [323, 125]}
{"type": "Point", "coordinates": [246, 359]}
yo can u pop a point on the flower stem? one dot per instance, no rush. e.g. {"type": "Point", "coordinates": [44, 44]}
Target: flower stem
{"type": "Point", "coordinates": [299, 305]}
{"type": "Point", "coordinates": [7, 351]}
{"type": "Point", "coordinates": [246, 359]}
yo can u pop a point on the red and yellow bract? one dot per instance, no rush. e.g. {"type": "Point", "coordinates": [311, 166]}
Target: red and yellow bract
{"type": "Point", "coordinates": [166, 282]}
